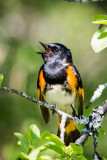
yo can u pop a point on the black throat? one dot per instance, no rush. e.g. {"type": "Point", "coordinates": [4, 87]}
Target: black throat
{"type": "Point", "coordinates": [55, 72]}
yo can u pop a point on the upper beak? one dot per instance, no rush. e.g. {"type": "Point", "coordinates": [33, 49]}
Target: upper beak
{"type": "Point", "coordinates": [44, 46]}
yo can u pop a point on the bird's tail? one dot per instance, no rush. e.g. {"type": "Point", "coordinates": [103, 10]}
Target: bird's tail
{"type": "Point", "coordinates": [71, 131]}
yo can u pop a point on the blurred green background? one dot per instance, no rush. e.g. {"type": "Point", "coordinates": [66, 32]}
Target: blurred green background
{"type": "Point", "coordinates": [23, 24]}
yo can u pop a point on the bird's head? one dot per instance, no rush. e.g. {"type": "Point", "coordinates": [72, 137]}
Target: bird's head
{"type": "Point", "coordinates": [56, 51]}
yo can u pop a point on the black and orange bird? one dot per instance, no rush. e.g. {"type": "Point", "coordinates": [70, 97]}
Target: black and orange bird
{"type": "Point", "coordinates": [59, 83]}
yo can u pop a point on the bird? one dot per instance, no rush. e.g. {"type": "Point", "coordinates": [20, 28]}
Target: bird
{"type": "Point", "coordinates": [59, 83]}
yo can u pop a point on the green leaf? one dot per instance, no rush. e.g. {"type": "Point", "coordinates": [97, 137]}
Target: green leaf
{"type": "Point", "coordinates": [103, 35]}
{"type": "Point", "coordinates": [100, 19]}
{"type": "Point", "coordinates": [1, 79]}
{"type": "Point", "coordinates": [81, 157]}
{"type": "Point", "coordinates": [99, 44]}
{"type": "Point", "coordinates": [34, 154]}
{"type": "Point", "coordinates": [67, 158]}
{"type": "Point", "coordinates": [45, 157]}
{"type": "Point", "coordinates": [100, 133]}
{"type": "Point", "coordinates": [80, 127]}
{"type": "Point", "coordinates": [35, 130]}
{"type": "Point", "coordinates": [56, 140]}
{"type": "Point", "coordinates": [56, 148]}
{"type": "Point", "coordinates": [24, 142]}
{"type": "Point", "coordinates": [22, 156]}
{"type": "Point", "coordinates": [29, 138]}
{"type": "Point", "coordinates": [44, 141]}
{"type": "Point", "coordinates": [44, 135]}
{"type": "Point", "coordinates": [77, 149]}
{"type": "Point", "coordinates": [100, 22]}
{"type": "Point", "coordinates": [34, 133]}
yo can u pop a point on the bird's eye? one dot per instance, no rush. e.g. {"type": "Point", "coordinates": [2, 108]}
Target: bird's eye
{"type": "Point", "coordinates": [56, 49]}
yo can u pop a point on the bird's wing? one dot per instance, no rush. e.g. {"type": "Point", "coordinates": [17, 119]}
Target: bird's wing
{"type": "Point", "coordinates": [75, 83]}
{"type": "Point", "coordinates": [40, 86]}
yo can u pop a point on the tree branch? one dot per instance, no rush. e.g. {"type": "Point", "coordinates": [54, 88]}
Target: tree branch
{"type": "Point", "coordinates": [34, 100]}
{"type": "Point", "coordinates": [81, 140]}
{"type": "Point", "coordinates": [92, 122]}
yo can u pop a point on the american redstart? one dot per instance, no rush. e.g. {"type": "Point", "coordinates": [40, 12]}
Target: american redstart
{"type": "Point", "coordinates": [59, 83]}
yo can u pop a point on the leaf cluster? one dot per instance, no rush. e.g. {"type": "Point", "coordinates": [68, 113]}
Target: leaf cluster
{"type": "Point", "coordinates": [1, 79]}
{"type": "Point", "coordinates": [99, 39]}
{"type": "Point", "coordinates": [34, 144]}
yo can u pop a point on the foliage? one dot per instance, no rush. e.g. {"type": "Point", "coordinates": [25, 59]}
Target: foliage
{"type": "Point", "coordinates": [99, 39]}
{"type": "Point", "coordinates": [1, 78]}
{"type": "Point", "coordinates": [34, 144]}
{"type": "Point", "coordinates": [100, 19]}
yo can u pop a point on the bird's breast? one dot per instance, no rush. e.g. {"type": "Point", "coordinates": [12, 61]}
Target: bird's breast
{"type": "Point", "coordinates": [60, 96]}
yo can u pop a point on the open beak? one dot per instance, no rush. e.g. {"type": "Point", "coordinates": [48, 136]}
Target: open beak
{"type": "Point", "coordinates": [44, 46]}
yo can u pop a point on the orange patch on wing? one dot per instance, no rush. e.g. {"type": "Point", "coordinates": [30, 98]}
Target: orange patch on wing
{"type": "Point", "coordinates": [80, 92]}
{"type": "Point", "coordinates": [58, 124]}
{"type": "Point", "coordinates": [38, 92]}
{"type": "Point", "coordinates": [41, 80]}
{"type": "Point", "coordinates": [80, 97]}
{"type": "Point", "coordinates": [72, 126]}
{"type": "Point", "coordinates": [71, 78]}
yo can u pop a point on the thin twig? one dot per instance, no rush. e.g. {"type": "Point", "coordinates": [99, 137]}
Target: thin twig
{"type": "Point", "coordinates": [97, 94]}
{"type": "Point", "coordinates": [96, 155]}
{"type": "Point", "coordinates": [62, 127]}
{"type": "Point", "coordinates": [95, 141]}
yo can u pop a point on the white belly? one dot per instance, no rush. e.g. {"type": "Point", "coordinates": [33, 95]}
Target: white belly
{"type": "Point", "coordinates": [62, 99]}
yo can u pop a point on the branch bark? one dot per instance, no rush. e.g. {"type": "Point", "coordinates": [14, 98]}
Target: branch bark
{"type": "Point", "coordinates": [101, 110]}
{"type": "Point", "coordinates": [34, 100]}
